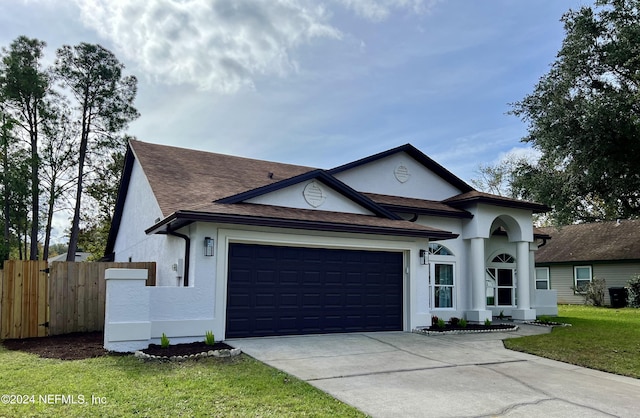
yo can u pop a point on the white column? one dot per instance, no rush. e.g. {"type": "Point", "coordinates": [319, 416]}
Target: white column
{"type": "Point", "coordinates": [478, 312]}
{"type": "Point", "coordinates": [522, 268]}
{"type": "Point", "coordinates": [478, 287]}
{"type": "Point", "coordinates": [524, 311]}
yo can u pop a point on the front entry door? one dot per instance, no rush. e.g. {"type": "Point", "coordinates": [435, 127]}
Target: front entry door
{"type": "Point", "coordinates": [500, 286]}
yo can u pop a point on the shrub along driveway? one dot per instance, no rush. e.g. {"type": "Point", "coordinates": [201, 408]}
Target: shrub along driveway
{"type": "Point", "coordinates": [392, 374]}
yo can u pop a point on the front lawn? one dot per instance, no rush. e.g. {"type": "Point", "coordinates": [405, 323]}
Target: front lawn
{"type": "Point", "coordinates": [599, 338]}
{"type": "Point", "coordinates": [118, 386]}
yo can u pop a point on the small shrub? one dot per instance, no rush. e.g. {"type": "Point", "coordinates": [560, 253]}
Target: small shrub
{"type": "Point", "coordinates": [501, 315]}
{"type": "Point", "coordinates": [441, 323]}
{"type": "Point", "coordinates": [209, 339]}
{"type": "Point", "coordinates": [463, 322]}
{"type": "Point", "coordinates": [434, 320]}
{"type": "Point", "coordinates": [544, 319]}
{"type": "Point", "coordinates": [454, 321]}
{"type": "Point", "coordinates": [164, 341]}
{"type": "Point", "coordinates": [594, 292]}
{"type": "Point", "coordinates": [487, 322]}
{"type": "Point", "coordinates": [633, 292]}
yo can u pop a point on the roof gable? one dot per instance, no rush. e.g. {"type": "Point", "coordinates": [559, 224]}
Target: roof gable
{"type": "Point", "coordinates": [252, 196]}
{"type": "Point", "coordinates": [418, 156]}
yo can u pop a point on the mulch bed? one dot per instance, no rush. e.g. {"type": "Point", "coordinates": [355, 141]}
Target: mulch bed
{"type": "Point", "coordinates": [82, 345]}
{"type": "Point", "coordinates": [74, 346]}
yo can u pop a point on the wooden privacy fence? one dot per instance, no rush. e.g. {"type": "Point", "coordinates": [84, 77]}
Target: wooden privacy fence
{"type": "Point", "coordinates": [39, 300]}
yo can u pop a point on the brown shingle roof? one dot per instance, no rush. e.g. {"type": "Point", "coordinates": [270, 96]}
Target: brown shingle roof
{"type": "Point", "coordinates": [187, 182]}
{"type": "Point", "coordinates": [598, 241]}
{"type": "Point", "coordinates": [481, 197]}
{"type": "Point", "coordinates": [185, 179]}
{"type": "Point", "coordinates": [419, 205]}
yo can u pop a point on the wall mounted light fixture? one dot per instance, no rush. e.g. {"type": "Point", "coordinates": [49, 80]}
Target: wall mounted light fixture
{"type": "Point", "coordinates": [423, 257]}
{"type": "Point", "coordinates": [208, 246]}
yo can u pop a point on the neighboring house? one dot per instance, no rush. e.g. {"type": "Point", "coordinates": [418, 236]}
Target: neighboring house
{"type": "Point", "coordinates": [578, 253]}
{"type": "Point", "coordinates": [255, 248]}
{"type": "Point", "coordinates": [80, 256]}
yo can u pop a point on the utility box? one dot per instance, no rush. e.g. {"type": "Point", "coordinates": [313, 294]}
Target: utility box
{"type": "Point", "coordinates": [618, 297]}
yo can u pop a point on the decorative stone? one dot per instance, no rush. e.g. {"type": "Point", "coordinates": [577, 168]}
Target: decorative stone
{"type": "Point", "coordinates": [402, 173]}
{"type": "Point", "coordinates": [313, 194]}
{"type": "Point", "coordinates": [211, 353]}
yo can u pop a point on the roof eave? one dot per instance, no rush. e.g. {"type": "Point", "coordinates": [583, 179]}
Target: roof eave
{"type": "Point", "coordinates": [123, 188]}
{"type": "Point", "coordinates": [534, 207]}
{"type": "Point", "coordinates": [181, 219]}
{"type": "Point", "coordinates": [463, 214]}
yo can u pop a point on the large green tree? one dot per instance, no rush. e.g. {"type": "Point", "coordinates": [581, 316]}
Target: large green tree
{"type": "Point", "coordinates": [584, 117]}
{"type": "Point", "coordinates": [59, 158]}
{"type": "Point", "coordinates": [103, 98]}
{"type": "Point", "coordinates": [25, 85]}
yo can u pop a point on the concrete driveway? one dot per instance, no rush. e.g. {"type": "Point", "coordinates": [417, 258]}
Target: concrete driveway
{"type": "Point", "coordinates": [397, 374]}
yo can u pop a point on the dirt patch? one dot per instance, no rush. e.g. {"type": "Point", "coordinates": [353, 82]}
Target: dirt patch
{"type": "Point", "coordinates": [78, 346]}
{"type": "Point", "coordinates": [74, 346]}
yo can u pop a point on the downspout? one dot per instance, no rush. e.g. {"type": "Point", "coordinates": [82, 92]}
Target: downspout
{"type": "Point", "coordinates": [187, 248]}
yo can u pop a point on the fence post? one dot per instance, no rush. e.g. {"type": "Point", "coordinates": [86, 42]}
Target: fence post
{"type": "Point", "coordinates": [127, 326]}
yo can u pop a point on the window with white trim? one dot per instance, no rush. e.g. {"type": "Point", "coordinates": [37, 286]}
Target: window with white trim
{"type": "Point", "coordinates": [443, 285]}
{"type": "Point", "coordinates": [542, 278]}
{"type": "Point", "coordinates": [441, 276]}
{"type": "Point", "coordinates": [582, 276]}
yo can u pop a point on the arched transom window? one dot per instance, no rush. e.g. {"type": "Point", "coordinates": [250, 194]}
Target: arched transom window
{"type": "Point", "coordinates": [438, 249]}
{"type": "Point", "coordinates": [503, 258]}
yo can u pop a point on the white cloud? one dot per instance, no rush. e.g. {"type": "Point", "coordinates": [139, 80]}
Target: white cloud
{"type": "Point", "coordinates": [219, 45]}
{"type": "Point", "coordinates": [378, 10]}
{"type": "Point", "coordinates": [518, 153]}
{"type": "Point", "coordinates": [223, 45]}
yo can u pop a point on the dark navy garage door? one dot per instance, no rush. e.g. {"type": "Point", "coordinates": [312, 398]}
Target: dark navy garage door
{"type": "Point", "coordinates": [275, 290]}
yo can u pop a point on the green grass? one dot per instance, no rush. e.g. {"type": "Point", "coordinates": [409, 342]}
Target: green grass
{"type": "Point", "coordinates": [238, 387]}
{"type": "Point", "coordinates": [599, 338]}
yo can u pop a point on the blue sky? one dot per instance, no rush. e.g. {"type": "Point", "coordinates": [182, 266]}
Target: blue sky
{"type": "Point", "coordinates": [317, 83]}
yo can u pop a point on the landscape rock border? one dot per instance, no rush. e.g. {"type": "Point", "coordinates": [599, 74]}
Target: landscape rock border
{"type": "Point", "coordinates": [425, 331]}
{"type": "Point", "coordinates": [211, 353]}
{"type": "Point", "coordinates": [547, 324]}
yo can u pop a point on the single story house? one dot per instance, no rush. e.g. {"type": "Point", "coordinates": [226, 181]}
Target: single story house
{"type": "Point", "coordinates": [578, 253]}
{"type": "Point", "coordinates": [251, 248]}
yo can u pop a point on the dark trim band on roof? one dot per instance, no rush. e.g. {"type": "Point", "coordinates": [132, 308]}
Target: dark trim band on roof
{"type": "Point", "coordinates": [322, 176]}
{"type": "Point", "coordinates": [424, 211]}
{"type": "Point", "coordinates": [462, 200]}
{"type": "Point", "coordinates": [122, 194]}
{"type": "Point", "coordinates": [180, 219]}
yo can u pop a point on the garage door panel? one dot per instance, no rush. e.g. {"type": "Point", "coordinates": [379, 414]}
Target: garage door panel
{"type": "Point", "coordinates": [275, 290]}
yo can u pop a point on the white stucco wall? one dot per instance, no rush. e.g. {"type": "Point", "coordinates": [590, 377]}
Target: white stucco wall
{"type": "Point", "coordinates": [140, 211]}
{"type": "Point", "coordinates": [518, 222]}
{"type": "Point", "coordinates": [293, 197]}
{"type": "Point", "coordinates": [379, 177]}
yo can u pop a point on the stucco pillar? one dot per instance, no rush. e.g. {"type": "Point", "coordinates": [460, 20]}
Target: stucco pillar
{"type": "Point", "coordinates": [127, 326]}
{"type": "Point", "coordinates": [478, 312]}
{"type": "Point", "coordinates": [523, 268]}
